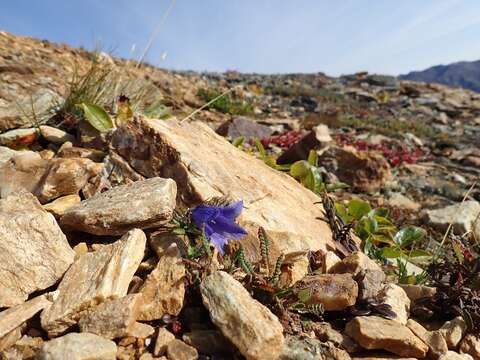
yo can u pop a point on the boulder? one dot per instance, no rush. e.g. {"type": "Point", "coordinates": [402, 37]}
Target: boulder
{"type": "Point", "coordinates": [75, 346]}
{"type": "Point", "coordinates": [92, 279]}
{"type": "Point", "coordinates": [249, 325]}
{"type": "Point", "coordinates": [205, 165]}
{"type": "Point", "coordinates": [164, 289]}
{"type": "Point", "coordinates": [373, 332]}
{"type": "Point", "coordinates": [142, 204]}
{"type": "Point", "coordinates": [34, 253]}
{"type": "Point", "coordinates": [334, 291]}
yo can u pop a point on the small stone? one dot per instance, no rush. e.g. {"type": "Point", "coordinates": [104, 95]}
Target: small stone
{"type": "Point", "coordinates": [248, 324]}
{"type": "Point", "coordinates": [163, 338]}
{"type": "Point", "coordinates": [334, 291]}
{"type": "Point", "coordinates": [329, 261]}
{"type": "Point", "coordinates": [243, 126]}
{"type": "Point", "coordinates": [354, 264]}
{"type": "Point", "coordinates": [58, 206]}
{"type": "Point", "coordinates": [80, 249]}
{"type": "Point", "coordinates": [453, 331]}
{"type": "Point", "coordinates": [13, 317]}
{"type": "Point", "coordinates": [18, 137]}
{"type": "Point", "coordinates": [401, 201]}
{"type": "Point", "coordinates": [93, 278]}
{"type": "Point", "coordinates": [178, 350]}
{"type": "Point", "coordinates": [324, 332]}
{"type": "Point", "coordinates": [295, 267]}
{"type": "Point", "coordinates": [54, 135]}
{"type": "Point", "coordinates": [34, 253]}
{"type": "Point", "coordinates": [141, 331]}
{"type": "Point", "coordinates": [461, 216]}
{"type": "Point", "coordinates": [415, 292]}
{"type": "Point", "coordinates": [305, 348]}
{"type": "Point", "coordinates": [142, 204]}
{"type": "Point", "coordinates": [75, 346]}
{"type": "Point", "coordinates": [396, 297]}
{"type": "Point", "coordinates": [434, 339]}
{"type": "Point", "coordinates": [370, 283]}
{"type": "Point", "coordinates": [10, 338]}
{"type": "Point", "coordinates": [373, 332]}
{"type": "Point", "coordinates": [46, 179]}
{"type": "Point", "coordinates": [470, 345]}
{"type": "Point", "coordinates": [164, 289]}
{"type": "Point", "coordinates": [7, 153]}
{"type": "Point", "coordinates": [208, 342]}
{"type": "Point", "coordinates": [452, 355]}
{"type": "Point", "coordinates": [113, 318]}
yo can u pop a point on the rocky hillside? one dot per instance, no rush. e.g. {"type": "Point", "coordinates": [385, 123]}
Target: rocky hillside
{"type": "Point", "coordinates": [150, 214]}
{"type": "Point", "coordinates": [465, 74]}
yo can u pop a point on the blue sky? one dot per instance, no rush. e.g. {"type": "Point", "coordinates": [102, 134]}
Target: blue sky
{"type": "Point", "coordinates": [266, 36]}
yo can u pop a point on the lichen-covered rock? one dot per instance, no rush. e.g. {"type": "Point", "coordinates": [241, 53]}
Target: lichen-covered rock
{"type": "Point", "coordinates": [249, 325]}
{"type": "Point", "coordinates": [196, 157]}
{"type": "Point", "coordinates": [75, 346]}
{"type": "Point", "coordinates": [142, 204]}
{"type": "Point", "coordinates": [93, 278]}
{"type": "Point", "coordinates": [34, 253]}
{"type": "Point", "coordinates": [113, 318]}
{"type": "Point", "coordinates": [373, 332]}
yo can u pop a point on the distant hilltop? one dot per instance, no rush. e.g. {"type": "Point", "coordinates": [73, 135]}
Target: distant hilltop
{"type": "Point", "coordinates": [465, 74]}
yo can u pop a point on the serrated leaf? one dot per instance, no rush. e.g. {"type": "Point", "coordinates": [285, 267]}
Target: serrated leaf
{"type": "Point", "coordinates": [408, 235]}
{"type": "Point", "coordinates": [97, 117]}
{"type": "Point", "coordinates": [358, 208]}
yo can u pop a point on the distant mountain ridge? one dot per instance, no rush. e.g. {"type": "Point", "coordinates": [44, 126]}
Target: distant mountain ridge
{"type": "Point", "coordinates": [465, 74]}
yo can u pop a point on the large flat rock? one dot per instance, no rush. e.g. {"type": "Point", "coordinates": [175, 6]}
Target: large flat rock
{"type": "Point", "coordinates": [205, 165]}
{"type": "Point", "coordinates": [95, 277]}
{"type": "Point", "coordinates": [141, 204]}
{"type": "Point", "coordinates": [34, 253]}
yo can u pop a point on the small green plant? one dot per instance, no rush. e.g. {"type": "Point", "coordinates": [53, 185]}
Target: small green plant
{"type": "Point", "coordinates": [225, 104]}
{"type": "Point", "coordinates": [269, 159]}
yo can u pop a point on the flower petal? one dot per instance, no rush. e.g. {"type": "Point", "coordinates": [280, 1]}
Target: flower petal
{"type": "Point", "coordinates": [218, 241]}
{"type": "Point", "coordinates": [232, 211]}
{"type": "Point", "coordinates": [203, 214]}
{"type": "Point", "coordinates": [228, 228]}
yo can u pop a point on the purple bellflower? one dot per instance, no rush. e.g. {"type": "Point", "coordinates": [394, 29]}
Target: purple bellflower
{"type": "Point", "coordinates": [219, 223]}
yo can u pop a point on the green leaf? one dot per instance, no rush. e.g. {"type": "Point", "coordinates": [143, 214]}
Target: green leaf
{"type": "Point", "coordinates": [124, 112]}
{"type": "Point", "coordinates": [97, 117]}
{"type": "Point", "coordinates": [337, 186]}
{"type": "Point", "coordinates": [420, 253]}
{"type": "Point", "coordinates": [369, 225]}
{"type": "Point", "coordinates": [300, 169]}
{"type": "Point", "coordinates": [358, 208]}
{"type": "Point", "coordinates": [380, 212]}
{"type": "Point", "coordinates": [408, 235]}
{"type": "Point", "coordinates": [260, 148]}
{"type": "Point", "coordinates": [342, 212]}
{"type": "Point", "coordinates": [237, 142]}
{"type": "Point", "coordinates": [312, 158]}
{"type": "Point", "coordinates": [392, 252]}
{"type": "Point", "coordinates": [283, 167]}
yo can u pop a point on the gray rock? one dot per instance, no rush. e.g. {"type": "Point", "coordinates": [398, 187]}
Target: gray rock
{"type": "Point", "coordinates": [462, 216]}
{"type": "Point", "coordinates": [142, 204]}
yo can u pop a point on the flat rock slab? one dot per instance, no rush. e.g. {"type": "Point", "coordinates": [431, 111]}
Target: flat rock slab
{"type": "Point", "coordinates": [94, 278]}
{"type": "Point", "coordinates": [248, 324]}
{"type": "Point", "coordinates": [76, 346]}
{"type": "Point", "coordinates": [34, 253]}
{"type": "Point", "coordinates": [373, 332]}
{"type": "Point", "coordinates": [13, 317]}
{"type": "Point", "coordinates": [205, 165]}
{"type": "Point", "coordinates": [141, 204]}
